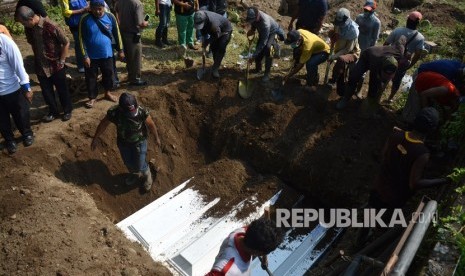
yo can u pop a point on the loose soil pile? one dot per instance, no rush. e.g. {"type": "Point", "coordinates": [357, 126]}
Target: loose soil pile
{"type": "Point", "coordinates": [59, 200]}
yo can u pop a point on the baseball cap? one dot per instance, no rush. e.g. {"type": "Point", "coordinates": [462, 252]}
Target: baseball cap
{"type": "Point", "coordinates": [341, 16]}
{"type": "Point", "coordinates": [97, 3]}
{"type": "Point", "coordinates": [292, 36]}
{"type": "Point", "coordinates": [370, 5]}
{"type": "Point", "coordinates": [389, 65]}
{"type": "Point", "coordinates": [128, 103]}
{"type": "Point", "coordinates": [199, 19]}
{"type": "Point", "coordinates": [427, 120]}
{"type": "Point", "coordinates": [415, 16]}
{"type": "Point", "coordinates": [251, 15]}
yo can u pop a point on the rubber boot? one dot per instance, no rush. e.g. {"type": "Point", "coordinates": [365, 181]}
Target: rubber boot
{"type": "Point", "coordinates": [158, 42]}
{"type": "Point", "coordinates": [165, 37]}
{"type": "Point", "coordinates": [268, 63]}
{"type": "Point", "coordinates": [342, 103]}
{"type": "Point", "coordinates": [132, 179]}
{"type": "Point", "coordinates": [147, 179]}
{"type": "Point", "coordinates": [215, 72]}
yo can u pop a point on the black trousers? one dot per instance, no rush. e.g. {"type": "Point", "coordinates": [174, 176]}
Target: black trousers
{"type": "Point", "coordinates": [16, 105]}
{"type": "Point", "coordinates": [218, 47]}
{"type": "Point", "coordinates": [266, 53]}
{"type": "Point", "coordinates": [48, 92]}
{"type": "Point", "coordinates": [106, 67]}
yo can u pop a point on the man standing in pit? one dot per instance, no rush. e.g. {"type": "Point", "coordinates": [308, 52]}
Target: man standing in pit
{"type": "Point", "coordinates": [50, 46]}
{"type": "Point", "coordinates": [15, 95]}
{"type": "Point", "coordinates": [404, 159]}
{"type": "Point", "coordinates": [267, 29]}
{"type": "Point", "coordinates": [413, 48]}
{"type": "Point", "coordinates": [132, 121]}
{"type": "Point", "coordinates": [219, 32]}
{"type": "Point", "coordinates": [309, 50]}
{"type": "Point", "coordinates": [310, 15]}
{"type": "Point", "coordinates": [258, 239]}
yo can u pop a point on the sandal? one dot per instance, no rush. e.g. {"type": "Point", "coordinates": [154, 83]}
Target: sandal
{"type": "Point", "coordinates": [111, 97]}
{"type": "Point", "coordinates": [90, 103]}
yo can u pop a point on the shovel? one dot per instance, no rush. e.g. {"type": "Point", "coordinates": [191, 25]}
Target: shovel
{"type": "Point", "coordinates": [244, 88]}
{"type": "Point", "coordinates": [201, 71]}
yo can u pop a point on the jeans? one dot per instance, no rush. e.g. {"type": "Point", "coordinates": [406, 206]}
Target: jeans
{"type": "Point", "coordinates": [164, 21]}
{"type": "Point", "coordinates": [15, 104]}
{"type": "Point", "coordinates": [312, 66]}
{"type": "Point", "coordinates": [185, 25]}
{"type": "Point", "coordinates": [134, 156]}
{"type": "Point", "coordinates": [48, 92]}
{"type": "Point", "coordinates": [78, 53]}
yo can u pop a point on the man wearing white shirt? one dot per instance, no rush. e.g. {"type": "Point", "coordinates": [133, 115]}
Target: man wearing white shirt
{"type": "Point", "coordinates": [15, 95]}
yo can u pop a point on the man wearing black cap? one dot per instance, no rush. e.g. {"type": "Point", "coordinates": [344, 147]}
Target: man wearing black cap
{"type": "Point", "coordinates": [267, 29]}
{"type": "Point", "coordinates": [308, 49]}
{"type": "Point", "coordinates": [132, 121]}
{"type": "Point", "coordinates": [382, 62]}
{"type": "Point", "coordinates": [219, 30]}
{"type": "Point", "coordinates": [404, 159]}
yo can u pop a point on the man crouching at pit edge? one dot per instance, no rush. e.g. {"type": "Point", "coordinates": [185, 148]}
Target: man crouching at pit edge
{"type": "Point", "coordinates": [132, 121]}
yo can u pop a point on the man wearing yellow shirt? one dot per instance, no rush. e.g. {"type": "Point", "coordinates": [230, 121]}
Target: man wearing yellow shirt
{"type": "Point", "coordinates": [308, 49]}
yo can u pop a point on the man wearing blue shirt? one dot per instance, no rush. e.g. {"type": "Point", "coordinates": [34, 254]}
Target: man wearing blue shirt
{"type": "Point", "coordinates": [453, 70]}
{"type": "Point", "coordinates": [96, 32]}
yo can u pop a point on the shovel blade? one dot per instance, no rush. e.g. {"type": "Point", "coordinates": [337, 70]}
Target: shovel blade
{"type": "Point", "coordinates": [188, 62]}
{"type": "Point", "coordinates": [244, 89]}
{"type": "Point", "coordinates": [200, 73]}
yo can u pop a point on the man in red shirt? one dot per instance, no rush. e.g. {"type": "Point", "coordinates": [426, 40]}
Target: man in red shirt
{"type": "Point", "coordinates": [430, 87]}
{"type": "Point", "coordinates": [258, 239]}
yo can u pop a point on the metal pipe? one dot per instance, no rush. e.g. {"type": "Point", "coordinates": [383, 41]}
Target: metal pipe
{"type": "Point", "coordinates": [395, 255]}
{"type": "Point", "coordinates": [353, 267]}
{"type": "Point", "coordinates": [373, 262]}
{"type": "Point", "coordinates": [414, 241]}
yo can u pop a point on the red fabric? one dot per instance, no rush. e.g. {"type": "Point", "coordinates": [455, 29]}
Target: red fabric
{"type": "Point", "coordinates": [215, 273]}
{"type": "Point", "coordinates": [223, 271]}
{"type": "Point", "coordinates": [427, 80]}
{"type": "Point", "coordinates": [244, 255]}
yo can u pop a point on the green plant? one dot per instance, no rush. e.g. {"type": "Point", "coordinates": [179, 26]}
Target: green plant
{"type": "Point", "coordinates": [14, 27]}
{"type": "Point", "coordinates": [454, 129]}
{"type": "Point", "coordinates": [458, 37]}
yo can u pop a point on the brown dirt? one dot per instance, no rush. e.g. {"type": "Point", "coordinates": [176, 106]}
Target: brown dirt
{"type": "Point", "coordinates": [59, 200]}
